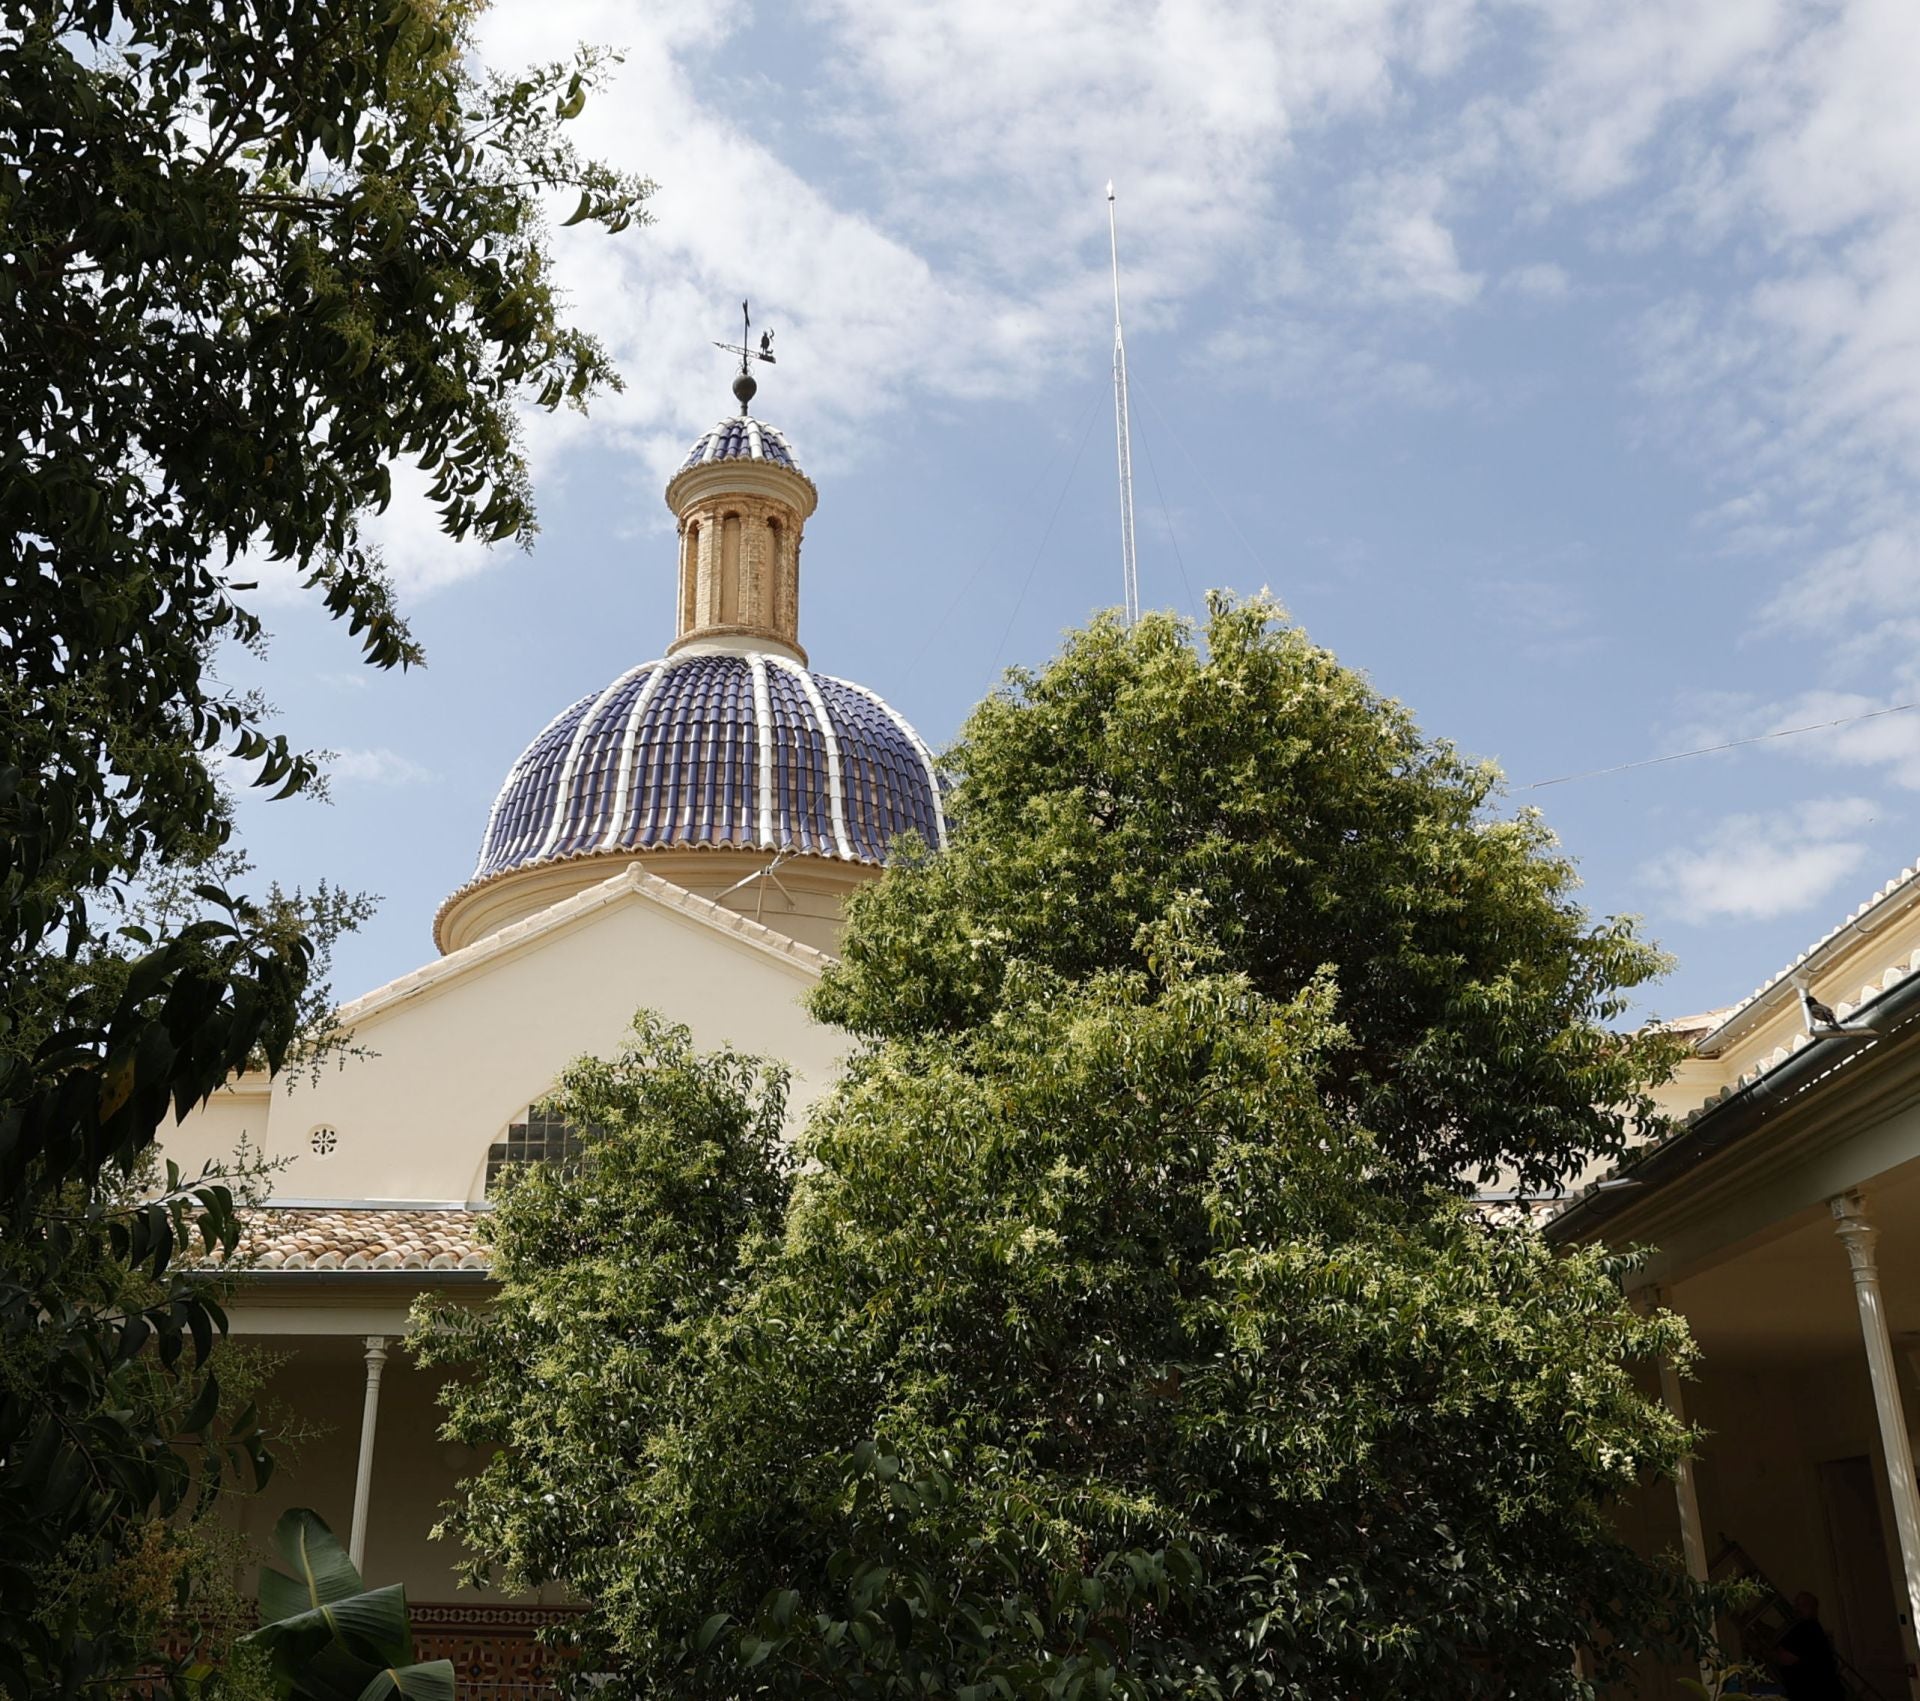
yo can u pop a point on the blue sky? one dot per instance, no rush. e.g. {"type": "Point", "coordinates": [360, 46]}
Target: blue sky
{"type": "Point", "coordinates": [1557, 364]}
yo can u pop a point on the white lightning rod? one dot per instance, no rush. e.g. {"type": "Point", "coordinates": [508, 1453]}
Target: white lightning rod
{"type": "Point", "coordinates": [1129, 567]}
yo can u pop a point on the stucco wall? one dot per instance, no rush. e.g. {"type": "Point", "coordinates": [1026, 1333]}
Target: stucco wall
{"type": "Point", "coordinates": [449, 1059]}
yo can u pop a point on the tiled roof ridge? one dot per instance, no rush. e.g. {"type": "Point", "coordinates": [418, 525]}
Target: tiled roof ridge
{"type": "Point", "coordinates": [1700, 1022]}
{"type": "Point", "coordinates": [1512, 1210]}
{"type": "Point", "coordinates": [1844, 1008]}
{"type": "Point", "coordinates": [1901, 886]}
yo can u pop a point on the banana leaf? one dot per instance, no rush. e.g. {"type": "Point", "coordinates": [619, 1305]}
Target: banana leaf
{"type": "Point", "coordinates": [371, 1627]}
{"type": "Point", "coordinates": [321, 1571]}
{"type": "Point", "coordinates": [431, 1680]}
{"type": "Point", "coordinates": [328, 1636]}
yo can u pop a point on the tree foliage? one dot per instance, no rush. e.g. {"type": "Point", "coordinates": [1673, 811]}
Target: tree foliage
{"type": "Point", "coordinates": [1120, 1329]}
{"type": "Point", "coordinates": [1085, 1359]}
{"type": "Point", "coordinates": [1327, 835]}
{"type": "Point", "coordinates": [251, 254]}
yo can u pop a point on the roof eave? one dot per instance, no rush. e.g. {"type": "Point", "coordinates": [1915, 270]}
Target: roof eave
{"type": "Point", "coordinates": [1730, 1120]}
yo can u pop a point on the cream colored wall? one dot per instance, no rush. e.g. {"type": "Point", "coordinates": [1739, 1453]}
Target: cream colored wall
{"type": "Point", "coordinates": [1759, 1479]}
{"type": "Point", "coordinates": [1756, 1478]}
{"type": "Point", "coordinates": [1757, 1473]}
{"type": "Point", "coordinates": [1768, 1431]}
{"type": "Point", "coordinates": [1694, 1082]}
{"type": "Point", "coordinates": [459, 1049]}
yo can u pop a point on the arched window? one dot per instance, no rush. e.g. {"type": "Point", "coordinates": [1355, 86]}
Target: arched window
{"type": "Point", "coordinates": [690, 581]}
{"type": "Point", "coordinates": [538, 1137]}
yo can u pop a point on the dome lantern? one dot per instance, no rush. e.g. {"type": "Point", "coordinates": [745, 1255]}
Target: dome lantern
{"type": "Point", "coordinates": [741, 500]}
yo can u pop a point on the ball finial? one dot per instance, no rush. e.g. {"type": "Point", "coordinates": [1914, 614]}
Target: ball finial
{"type": "Point", "coordinates": [743, 390]}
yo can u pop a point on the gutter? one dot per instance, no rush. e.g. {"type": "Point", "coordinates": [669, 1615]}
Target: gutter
{"type": "Point", "coordinates": [372, 1205]}
{"type": "Point", "coordinates": [358, 1281]}
{"type": "Point", "coordinates": [1730, 1120]}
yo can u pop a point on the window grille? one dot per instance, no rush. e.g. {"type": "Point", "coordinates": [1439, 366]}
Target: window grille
{"type": "Point", "coordinates": [538, 1137]}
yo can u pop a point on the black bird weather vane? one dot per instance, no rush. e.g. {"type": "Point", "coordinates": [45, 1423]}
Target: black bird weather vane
{"type": "Point", "coordinates": [744, 386]}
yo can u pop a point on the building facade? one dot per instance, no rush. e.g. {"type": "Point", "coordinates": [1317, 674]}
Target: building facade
{"type": "Point", "coordinates": [1783, 1214]}
{"type": "Point", "coordinates": [681, 839]}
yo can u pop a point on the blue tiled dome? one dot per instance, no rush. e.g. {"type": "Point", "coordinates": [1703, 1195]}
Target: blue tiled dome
{"type": "Point", "coordinates": [741, 439]}
{"type": "Point", "coordinates": [726, 751]}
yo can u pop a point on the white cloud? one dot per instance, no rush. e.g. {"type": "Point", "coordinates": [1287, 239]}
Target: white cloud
{"type": "Point", "coordinates": [951, 243]}
{"type": "Point", "coordinates": [1611, 74]}
{"type": "Point", "coordinates": [1399, 248]}
{"type": "Point", "coordinates": [854, 304]}
{"type": "Point", "coordinates": [1341, 367]}
{"type": "Point", "coordinates": [1542, 280]}
{"type": "Point", "coordinates": [1871, 577]}
{"type": "Point", "coordinates": [1783, 140]}
{"type": "Point", "coordinates": [960, 228]}
{"type": "Point", "coordinates": [1548, 613]}
{"type": "Point", "coordinates": [377, 767]}
{"type": "Point", "coordinates": [916, 207]}
{"type": "Point", "coordinates": [1757, 867]}
{"type": "Point", "coordinates": [418, 554]}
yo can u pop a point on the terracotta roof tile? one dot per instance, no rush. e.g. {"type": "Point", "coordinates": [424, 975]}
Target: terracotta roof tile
{"type": "Point", "coordinates": [279, 1237]}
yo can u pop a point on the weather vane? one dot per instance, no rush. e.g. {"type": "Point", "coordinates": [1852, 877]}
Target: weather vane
{"type": "Point", "coordinates": [744, 386]}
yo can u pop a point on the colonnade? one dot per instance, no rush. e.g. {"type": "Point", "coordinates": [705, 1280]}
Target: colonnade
{"type": "Point", "coordinates": [1859, 1236]}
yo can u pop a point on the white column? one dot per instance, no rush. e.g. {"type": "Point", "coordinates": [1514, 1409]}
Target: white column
{"type": "Point", "coordinates": [1693, 1544]}
{"type": "Point", "coordinates": [363, 1476]}
{"type": "Point", "coordinates": [1692, 1538]}
{"type": "Point", "coordinates": [1858, 1235]}
{"type": "Point", "coordinates": [1686, 1497]}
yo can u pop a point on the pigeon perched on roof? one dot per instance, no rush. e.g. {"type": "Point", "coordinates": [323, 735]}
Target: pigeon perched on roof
{"type": "Point", "coordinates": [1818, 1016]}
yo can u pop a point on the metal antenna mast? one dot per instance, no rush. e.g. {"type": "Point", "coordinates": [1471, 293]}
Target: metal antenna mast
{"type": "Point", "coordinates": [1129, 567]}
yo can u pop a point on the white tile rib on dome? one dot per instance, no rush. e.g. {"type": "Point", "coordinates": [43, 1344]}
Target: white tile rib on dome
{"type": "Point", "coordinates": [629, 741]}
{"type": "Point", "coordinates": [588, 724]}
{"type": "Point", "coordinates": [836, 783]}
{"type": "Point", "coordinates": [919, 745]}
{"type": "Point", "coordinates": [763, 754]}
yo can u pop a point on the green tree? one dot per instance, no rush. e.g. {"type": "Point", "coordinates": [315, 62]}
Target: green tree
{"type": "Point", "coordinates": [1085, 1358]}
{"type": "Point", "coordinates": [169, 1581]}
{"type": "Point", "coordinates": [1327, 834]}
{"type": "Point", "coordinates": [1098, 1341]}
{"type": "Point", "coordinates": [251, 254]}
